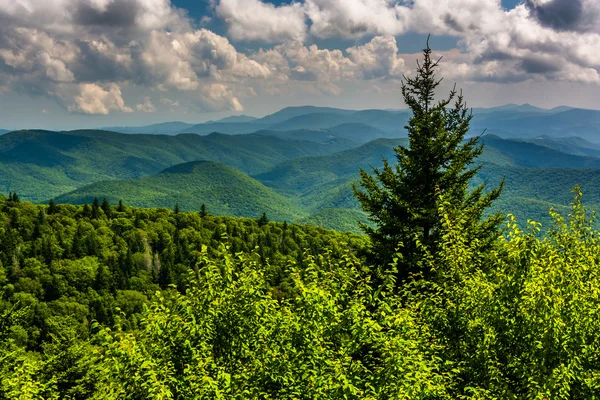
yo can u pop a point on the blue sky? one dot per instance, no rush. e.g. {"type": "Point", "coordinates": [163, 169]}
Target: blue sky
{"type": "Point", "coordinates": [85, 63]}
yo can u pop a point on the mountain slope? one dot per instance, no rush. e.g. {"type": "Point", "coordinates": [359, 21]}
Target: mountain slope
{"type": "Point", "coordinates": [292, 112]}
{"type": "Point", "coordinates": [571, 145]}
{"type": "Point", "coordinates": [237, 118]}
{"type": "Point", "coordinates": [572, 122]}
{"type": "Point", "coordinates": [43, 164]}
{"type": "Point", "coordinates": [166, 128]}
{"type": "Point", "coordinates": [224, 190]}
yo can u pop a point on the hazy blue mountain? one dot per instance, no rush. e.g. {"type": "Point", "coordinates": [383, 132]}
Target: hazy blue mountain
{"type": "Point", "coordinates": [3, 131]}
{"type": "Point", "coordinates": [561, 109]}
{"type": "Point", "coordinates": [572, 145]}
{"type": "Point", "coordinates": [511, 107]}
{"type": "Point", "coordinates": [572, 122]}
{"type": "Point", "coordinates": [311, 121]}
{"type": "Point", "coordinates": [237, 118]}
{"type": "Point", "coordinates": [389, 121]}
{"type": "Point", "coordinates": [291, 112]}
{"type": "Point", "coordinates": [230, 128]}
{"type": "Point", "coordinates": [351, 133]}
{"type": "Point", "coordinates": [509, 121]}
{"type": "Point", "coordinates": [534, 155]}
{"type": "Point", "coordinates": [165, 128]}
{"type": "Point", "coordinates": [358, 132]}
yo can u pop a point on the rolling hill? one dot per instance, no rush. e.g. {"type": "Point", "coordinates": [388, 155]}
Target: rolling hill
{"type": "Point", "coordinates": [572, 145]}
{"type": "Point", "coordinates": [44, 164]}
{"type": "Point", "coordinates": [165, 128]}
{"type": "Point", "coordinates": [224, 190]}
{"type": "Point", "coordinates": [318, 189]}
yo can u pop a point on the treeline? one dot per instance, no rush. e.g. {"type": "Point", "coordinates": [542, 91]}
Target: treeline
{"type": "Point", "coordinates": [71, 265]}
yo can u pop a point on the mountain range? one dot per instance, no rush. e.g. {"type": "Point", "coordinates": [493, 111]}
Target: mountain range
{"type": "Point", "coordinates": [509, 121]}
{"type": "Point", "coordinates": [301, 174]}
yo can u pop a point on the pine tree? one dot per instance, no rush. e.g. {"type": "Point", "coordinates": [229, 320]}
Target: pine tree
{"type": "Point", "coordinates": [86, 211]}
{"type": "Point", "coordinates": [106, 208]}
{"type": "Point", "coordinates": [15, 197]}
{"type": "Point", "coordinates": [176, 209]}
{"type": "Point", "coordinates": [402, 200]}
{"type": "Point", "coordinates": [203, 210]}
{"type": "Point", "coordinates": [96, 208]}
{"type": "Point", "coordinates": [121, 206]}
{"type": "Point", "coordinates": [263, 220]}
{"type": "Point", "coordinates": [52, 208]}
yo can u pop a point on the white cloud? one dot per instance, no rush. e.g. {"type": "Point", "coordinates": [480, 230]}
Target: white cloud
{"type": "Point", "coordinates": [355, 18]}
{"type": "Point", "coordinates": [217, 97]}
{"type": "Point", "coordinates": [148, 43]}
{"type": "Point", "coordinates": [537, 40]}
{"type": "Point", "coordinates": [95, 99]}
{"type": "Point", "coordinates": [169, 102]}
{"type": "Point", "coordinates": [261, 21]}
{"type": "Point", "coordinates": [376, 59]}
{"type": "Point", "coordinates": [146, 106]}
{"type": "Point", "coordinates": [71, 50]}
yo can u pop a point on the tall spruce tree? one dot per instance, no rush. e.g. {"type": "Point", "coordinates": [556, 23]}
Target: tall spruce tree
{"type": "Point", "coordinates": [402, 200]}
{"type": "Point", "coordinates": [106, 208]}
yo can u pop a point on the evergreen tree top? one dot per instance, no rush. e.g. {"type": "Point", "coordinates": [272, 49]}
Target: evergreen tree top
{"type": "Point", "coordinates": [403, 200]}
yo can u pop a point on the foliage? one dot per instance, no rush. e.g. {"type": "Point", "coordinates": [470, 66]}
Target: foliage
{"type": "Point", "coordinates": [226, 190]}
{"type": "Point", "coordinates": [518, 320]}
{"type": "Point", "coordinates": [78, 264]}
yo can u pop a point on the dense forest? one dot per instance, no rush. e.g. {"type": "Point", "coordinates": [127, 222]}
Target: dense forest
{"type": "Point", "coordinates": [74, 264]}
{"type": "Point", "coordinates": [116, 302]}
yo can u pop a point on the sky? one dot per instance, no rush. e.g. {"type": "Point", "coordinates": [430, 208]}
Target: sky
{"type": "Point", "coordinates": [68, 64]}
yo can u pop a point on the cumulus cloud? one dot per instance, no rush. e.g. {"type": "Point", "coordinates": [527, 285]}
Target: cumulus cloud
{"type": "Point", "coordinates": [538, 39]}
{"type": "Point", "coordinates": [262, 21]}
{"type": "Point", "coordinates": [47, 46]}
{"type": "Point", "coordinates": [218, 97]}
{"type": "Point", "coordinates": [376, 59]}
{"type": "Point", "coordinates": [72, 50]}
{"type": "Point", "coordinates": [146, 106]}
{"type": "Point", "coordinates": [95, 99]}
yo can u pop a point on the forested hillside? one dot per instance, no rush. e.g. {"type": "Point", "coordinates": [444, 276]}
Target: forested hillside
{"type": "Point", "coordinates": [70, 265]}
{"type": "Point", "coordinates": [43, 164]}
{"type": "Point", "coordinates": [297, 176]}
{"type": "Point", "coordinates": [225, 190]}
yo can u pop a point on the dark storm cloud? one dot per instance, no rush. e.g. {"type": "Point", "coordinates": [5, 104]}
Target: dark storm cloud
{"type": "Point", "coordinates": [117, 14]}
{"type": "Point", "coordinates": [537, 65]}
{"type": "Point", "coordinates": [561, 15]}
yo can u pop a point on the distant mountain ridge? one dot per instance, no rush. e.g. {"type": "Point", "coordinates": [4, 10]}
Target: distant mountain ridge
{"type": "Point", "coordinates": [508, 121]}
